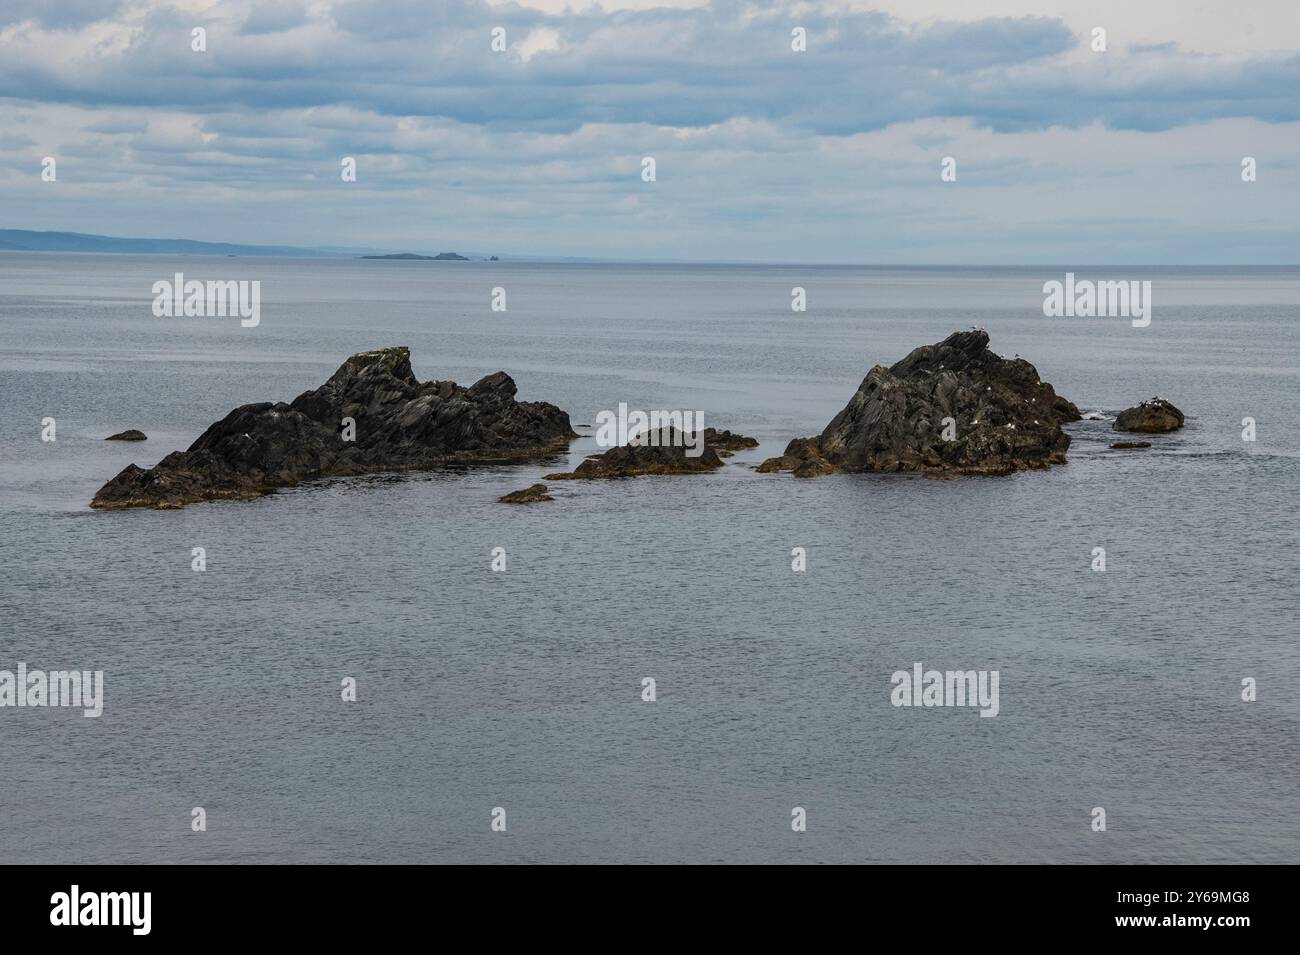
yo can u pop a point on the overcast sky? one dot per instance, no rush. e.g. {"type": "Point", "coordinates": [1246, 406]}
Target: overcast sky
{"type": "Point", "coordinates": [1063, 155]}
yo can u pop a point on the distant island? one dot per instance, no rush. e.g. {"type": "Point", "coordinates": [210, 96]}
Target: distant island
{"type": "Point", "coordinates": [440, 257]}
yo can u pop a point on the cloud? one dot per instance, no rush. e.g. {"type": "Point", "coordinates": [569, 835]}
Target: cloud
{"type": "Point", "coordinates": [274, 16]}
{"type": "Point", "coordinates": [694, 67]}
{"type": "Point", "coordinates": [64, 15]}
{"type": "Point", "coordinates": [762, 152]}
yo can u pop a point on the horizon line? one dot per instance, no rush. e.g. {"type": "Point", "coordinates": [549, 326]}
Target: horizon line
{"type": "Point", "coordinates": [322, 252]}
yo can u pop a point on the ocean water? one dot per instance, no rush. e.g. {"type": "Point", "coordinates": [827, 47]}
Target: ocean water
{"type": "Point", "coordinates": [522, 689]}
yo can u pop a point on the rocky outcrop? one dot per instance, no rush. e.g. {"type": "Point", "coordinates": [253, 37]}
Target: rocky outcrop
{"type": "Point", "coordinates": [129, 435]}
{"type": "Point", "coordinates": [1156, 416]}
{"type": "Point", "coordinates": [803, 456]}
{"type": "Point", "coordinates": [529, 495]}
{"type": "Point", "coordinates": [727, 443]}
{"type": "Point", "coordinates": [661, 452]}
{"type": "Point", "coordinates": [1001, 417]}
{"type": "Point", "coordinates": [372, 415]}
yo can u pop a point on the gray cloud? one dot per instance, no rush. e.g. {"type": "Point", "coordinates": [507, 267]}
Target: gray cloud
{"type": "Point", "coordinates": [695, 67]}
{"type": "Point", "coordinates": [830, 154]}
{"type": "Point", "coordinates": [63, 15]}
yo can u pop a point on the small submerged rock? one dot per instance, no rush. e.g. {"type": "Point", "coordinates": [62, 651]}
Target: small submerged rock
{"type": "Point", "coordinates": [527, 495]}
{"type": "Point", "coordinates": [1129, 445]}
{"type": "Point", "coordinates": [727, 443]}
{"type": "Point", "coordinates": [129, 435]}
{"type": "Point", "coordinates": [955, 407]}
{"type": "Point", "coordinates": [1155, 416]}
{"type": "Point", "coordinates": [802, 457]}
{"type": "Point", "coordinates": [660, 452]}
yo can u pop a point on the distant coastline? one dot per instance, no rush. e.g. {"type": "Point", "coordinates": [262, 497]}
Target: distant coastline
{"type": "Point", "coordinates": [25, 240]}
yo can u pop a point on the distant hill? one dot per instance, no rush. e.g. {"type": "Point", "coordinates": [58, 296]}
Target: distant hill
{"type": "Point", "coordinates": [408, 256]}
{"type": "Point", "coordinates": [27, 241]}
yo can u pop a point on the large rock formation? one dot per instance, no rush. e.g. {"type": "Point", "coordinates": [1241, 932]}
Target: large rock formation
{"type": "Point", "coordinates": [1004, 417]}
{"type": "Point", "coordinates": [1150, 417]}
{"type": "Point", "coordinates": [399, 424]}
{"type": "Point", "coordinates": [661, 452]}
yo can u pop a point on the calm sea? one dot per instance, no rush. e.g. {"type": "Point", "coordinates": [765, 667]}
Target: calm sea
{"type": "Point", "coordinates": [522, 689]}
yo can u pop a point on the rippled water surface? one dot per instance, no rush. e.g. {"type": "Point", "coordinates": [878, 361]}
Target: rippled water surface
{"type": "Point", "coordinates": [522, 689]}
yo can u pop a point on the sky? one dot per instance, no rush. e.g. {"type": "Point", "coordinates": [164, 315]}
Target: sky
{"type": "Point", "coordinates": [1063, 154]}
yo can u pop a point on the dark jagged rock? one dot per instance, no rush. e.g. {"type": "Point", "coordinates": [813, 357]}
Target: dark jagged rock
{"type": "Point", "coordinates": [727, 443]}
{"type": "Point", "coordinates": [1130, 445]}
{"type": "Point", "coordinates": [1156, 416]}
{"type": "Point", "coordinates": [131, 434]}
{"type": "Point", "coordinates": [1005, 418]}
{"type": "Point", "coordinates": [400, 424]}
{"type": "Point", "coordinates": [528, 495]}
{"type": "Point", "coordinates": [662, 452]}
